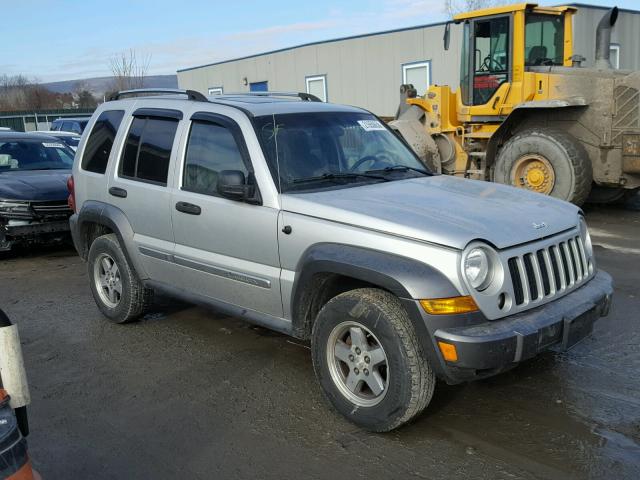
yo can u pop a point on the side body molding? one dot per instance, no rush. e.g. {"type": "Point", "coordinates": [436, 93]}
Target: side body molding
{"type": "Point", "coordinates": [109, 216]}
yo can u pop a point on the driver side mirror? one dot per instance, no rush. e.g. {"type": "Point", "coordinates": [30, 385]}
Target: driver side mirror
{"type": "Point", "coordinates": [447, 35]}
{"type": "Point", "coordinates": [232, 184]}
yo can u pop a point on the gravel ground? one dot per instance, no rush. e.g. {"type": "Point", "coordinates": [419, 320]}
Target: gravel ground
{"type": "Point", "coordinates": [190, 393]}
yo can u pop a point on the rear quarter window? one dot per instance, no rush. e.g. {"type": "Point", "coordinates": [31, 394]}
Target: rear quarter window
{"type": "Point", "coordinates": [100, 141]}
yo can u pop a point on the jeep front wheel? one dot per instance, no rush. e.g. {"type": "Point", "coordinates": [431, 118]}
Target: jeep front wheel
{"type": "Point", "coordinates": [369, 361]}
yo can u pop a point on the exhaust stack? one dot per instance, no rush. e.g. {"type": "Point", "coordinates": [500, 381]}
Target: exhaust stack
{"type": "Point", "coordinates": [603, 38]}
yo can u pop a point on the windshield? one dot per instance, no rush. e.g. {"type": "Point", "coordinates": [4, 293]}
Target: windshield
{"type": "Point", "coordinates": [20, 155]}
{"type": "Point", "coordinates": [333, 149]}
{"type": "Point", "coordinates": [544, 39]}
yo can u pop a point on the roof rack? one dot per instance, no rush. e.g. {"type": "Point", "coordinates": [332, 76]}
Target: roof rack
{"type": "Point", "coordinates": [307, 97]}
{"type": "Point", "coordinates": [191, 94]}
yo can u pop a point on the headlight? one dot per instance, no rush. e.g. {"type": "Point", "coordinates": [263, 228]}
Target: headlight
{"type": "Point", "coordinates": [478, 268]}
{"type": "Point", "coordinates": [10, 208]}
{"type": "Point", "coordinates": [586, 238]}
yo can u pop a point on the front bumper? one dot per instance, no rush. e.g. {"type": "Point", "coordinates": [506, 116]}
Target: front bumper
{"type": "Point", "coordinates": [35, 228]}
{"type": "Point", "coordinates": [32, 232]}
{"type": "Point", "coordinates": [493, 346]}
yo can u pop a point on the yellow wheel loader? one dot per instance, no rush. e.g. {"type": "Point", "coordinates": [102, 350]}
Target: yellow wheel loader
{"type": "Point", "coordinates": [526, 112]}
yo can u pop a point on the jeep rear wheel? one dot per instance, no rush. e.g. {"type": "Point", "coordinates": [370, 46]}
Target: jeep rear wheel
{"type": "Point", "coordinates": [368, 360]}
{"type": "Point", "coordinates": [116, 289]}
{"type": "Point", "coordinates": [546, 161]}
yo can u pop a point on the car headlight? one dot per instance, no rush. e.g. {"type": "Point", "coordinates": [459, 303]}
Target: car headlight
{"type": "Point", "coordinates": [12, 208]}
{"type": "Point", "coordinates": [478, 268]}
{"type": "Point", "coordinates": [588, 246]}
{"type": "Point", "coordinates": [586, 238]}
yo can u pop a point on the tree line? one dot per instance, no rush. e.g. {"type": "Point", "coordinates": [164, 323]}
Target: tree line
{"type": "Point", "coordinates": [18, 92]}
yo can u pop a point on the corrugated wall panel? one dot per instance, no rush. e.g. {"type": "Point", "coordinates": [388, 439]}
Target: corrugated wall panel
{"type": "Point", "coordinates": [367, 71]}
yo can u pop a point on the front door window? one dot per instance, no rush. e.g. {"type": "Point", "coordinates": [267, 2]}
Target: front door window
{"type": "Point", "coordinates": [491, 57]}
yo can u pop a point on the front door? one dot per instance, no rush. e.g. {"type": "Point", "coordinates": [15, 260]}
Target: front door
{"type": "Point", "coordinates": [227, 249]}
{"type": "Point", "coordinates": [486, 64]}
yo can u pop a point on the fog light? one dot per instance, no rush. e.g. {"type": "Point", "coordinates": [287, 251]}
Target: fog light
{"type": "Point", "coordinates": [448, 351]}
{"type": "Point", "coordinates": [447, 306]}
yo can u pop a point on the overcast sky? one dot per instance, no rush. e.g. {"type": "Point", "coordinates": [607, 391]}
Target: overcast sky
{"type": "Point", "coordinates": [70, 39]}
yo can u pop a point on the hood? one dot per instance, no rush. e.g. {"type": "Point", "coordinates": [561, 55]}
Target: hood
{"type": "Point", "coordinates": [39, 185]}
{"type": "Point", "coordinates": [441, 209]}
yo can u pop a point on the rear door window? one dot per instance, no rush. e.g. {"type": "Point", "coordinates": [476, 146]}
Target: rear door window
{"type": "Point", "coordinates": [100, 141]}
{"type": "Point", "coordinates": [147, 150]}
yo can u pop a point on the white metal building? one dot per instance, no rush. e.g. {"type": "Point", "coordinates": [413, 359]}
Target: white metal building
{"type": "Point", "coordinates": [367, 70]}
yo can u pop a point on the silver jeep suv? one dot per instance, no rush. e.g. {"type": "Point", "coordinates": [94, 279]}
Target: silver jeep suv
{"type": "Point", "coordinates": [316, 220]}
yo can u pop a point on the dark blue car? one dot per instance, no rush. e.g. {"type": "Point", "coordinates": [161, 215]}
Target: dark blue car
{"type": "Point", "coordinates": [33, 188]}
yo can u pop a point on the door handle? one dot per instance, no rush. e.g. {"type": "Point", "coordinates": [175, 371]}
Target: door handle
{"type": "Point", "coordinates": [189, 208]}
{"type": "Point", "coordinates": [118, 192]}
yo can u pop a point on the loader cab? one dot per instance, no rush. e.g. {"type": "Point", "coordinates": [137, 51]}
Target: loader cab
{"type": "Point", "coordinates": [499, 45]}
{"type": "Point", "coordinates": [486, 55]}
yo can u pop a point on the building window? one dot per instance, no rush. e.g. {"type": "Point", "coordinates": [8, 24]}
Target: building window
{"type": "Point", "coordinates": [614, 55]}
{"type": "Point", "coordinates": [259, 86]}
{"type": "Point", "coordinates": [317, 85]}
{"type": "Point", "coordinates": [418, 74]}
{"type": "Point", "coordinates": [215, 90]}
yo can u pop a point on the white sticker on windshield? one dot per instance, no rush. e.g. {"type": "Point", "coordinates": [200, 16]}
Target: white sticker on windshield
{"type": "Point", "coordinates": [371, 125]}
{"type": "Point", "coordinates": [53, 145]}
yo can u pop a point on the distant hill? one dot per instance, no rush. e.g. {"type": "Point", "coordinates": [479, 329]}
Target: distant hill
{"type": "Point", "coordinates": [99, 85]}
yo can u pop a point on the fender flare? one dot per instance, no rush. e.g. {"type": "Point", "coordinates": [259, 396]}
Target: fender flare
{"type": "Point", "coordinates": [405, 277]}
{"type": "Point", "coordinates": [502, 133]}
{"type": "Point", "coordinates": [112, 217]}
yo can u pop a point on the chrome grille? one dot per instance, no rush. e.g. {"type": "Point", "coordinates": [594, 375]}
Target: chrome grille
{"type": "Point", "coordinates": [51, 209]}
{"type": "Point", "coordinates": [549, 271]}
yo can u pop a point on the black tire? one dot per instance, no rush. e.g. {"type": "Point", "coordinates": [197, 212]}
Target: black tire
{"type": "Point", "coordinates": [410, 379]}
{"type": "Point", "coordinates": [568, 158]}
{"type": "Point", "coordinates": [133, 299]}
{"type": "Point", "coordinates": [607, 195]}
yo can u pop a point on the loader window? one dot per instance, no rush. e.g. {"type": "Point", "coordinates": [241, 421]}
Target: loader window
{"type": "Point", "coordinates": [544, 40]}
{"type": "Point", "coordinates": [464, 66]}
{"type": "Point", "coordinates": [491, 57]}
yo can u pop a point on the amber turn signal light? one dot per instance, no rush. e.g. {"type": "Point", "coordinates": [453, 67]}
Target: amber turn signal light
{"type": "Point", "coordinates": [447, 306]}
{"type": "Point", "coordinates": [448, 351]}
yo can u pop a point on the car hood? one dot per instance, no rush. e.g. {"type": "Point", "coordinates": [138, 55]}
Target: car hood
{"type": "Point", "coordinates": [38, 185]}
{"type": "Point", "coordinates": [441, 209]}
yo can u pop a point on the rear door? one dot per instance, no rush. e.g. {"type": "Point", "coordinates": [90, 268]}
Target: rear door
{"type": "Point", "coordinates": [227, 249]}
{"type": "Point", "coordinates": [139, 185]}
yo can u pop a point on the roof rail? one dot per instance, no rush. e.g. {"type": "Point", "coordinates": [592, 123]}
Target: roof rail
{"type": "Point", "coordinates": [191, 94]}
{"type": "Point", "coordinates": [307, 97]}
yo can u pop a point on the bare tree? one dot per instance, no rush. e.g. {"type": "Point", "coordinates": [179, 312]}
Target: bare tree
{"type": "Point", "coordinates": [83, 96]}
{"type": "Point", "coordinates": [453, 7]}
{"type": "Point", "coordinates": [128, 70]}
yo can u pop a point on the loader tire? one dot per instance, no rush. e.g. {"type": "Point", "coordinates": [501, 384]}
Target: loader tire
{"type": "Point", "coordinates": [547, 161]}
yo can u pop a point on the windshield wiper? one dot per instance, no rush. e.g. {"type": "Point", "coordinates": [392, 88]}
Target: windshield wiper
{"type": "Point", "coordinates": [400, 168]}
{"type": "Point", "coordinates": [336, 176]}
